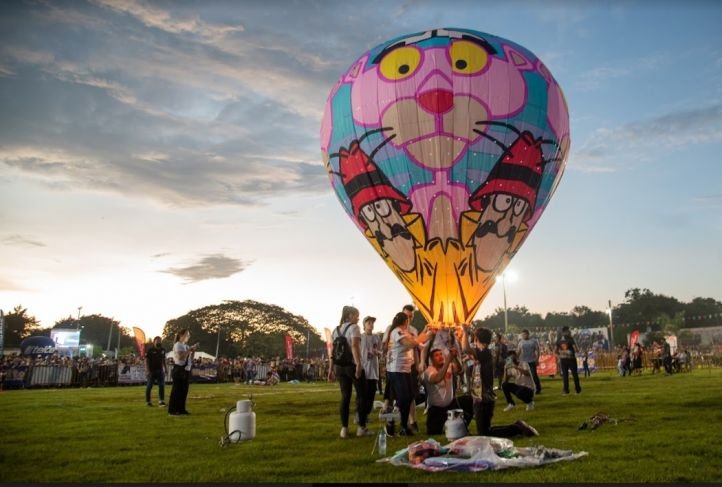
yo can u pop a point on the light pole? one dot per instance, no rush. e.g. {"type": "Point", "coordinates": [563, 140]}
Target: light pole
{"type": "Point", "coordinates": [512, 276]}
{"type": "Point", "coordinates": [77, 327]}
{"type": "Point", "coordinates": [611, 327]}
{"type": "Point", "coordinates": [218, 341]}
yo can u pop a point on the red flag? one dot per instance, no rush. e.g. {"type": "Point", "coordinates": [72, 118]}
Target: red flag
{"type": "Point", "coordinates": [140, 341]}
{"type": "Point", "coordinates": [289, 347]}
{"type": "Point", "coordinates": [547, 365]}
{"type": "Point", "coordinates": [329, 343]}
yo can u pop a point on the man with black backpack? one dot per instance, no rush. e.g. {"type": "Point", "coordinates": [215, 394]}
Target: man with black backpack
{"type": "Point", "coordinates": [348, 368]}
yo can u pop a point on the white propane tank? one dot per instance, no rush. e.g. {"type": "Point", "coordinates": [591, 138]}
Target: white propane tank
{"type": "Point", "coordinates": [455, 426]}
{"type": "Point", "coordinates": [243, 419]}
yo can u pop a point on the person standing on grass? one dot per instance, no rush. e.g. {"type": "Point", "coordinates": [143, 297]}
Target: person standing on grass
{"type": "Point", "coordinates": [182, 358]}
{"type": "Point", "coordinates": [566, 352]}
{"type": "Point", "coordinates": [482, 390]}
{"type": "Point", "coordinates": [370, 351]}
{"type": "Point", "coordinates": [351, 375]}
{"type": "Point", "coordinates": [528, 352]}
{"type": "Point", "coordinates": [155, 371]}
{"type": "Point", "coordinates": [402, 344]}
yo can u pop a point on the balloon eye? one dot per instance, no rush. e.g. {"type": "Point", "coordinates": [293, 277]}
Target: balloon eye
{"type": "Point", "coordinates": [368, 213]}
{"type": "Point", "coordinates": [468, 57]}
{"type": "Point", "coordinates": [502, 202]}
{"type": "Point", "coordinates": [383, 208]}
{"type": "Point", "coordinates": [519, 207]}
{"type": "Point", "coordinates": [400, 63]}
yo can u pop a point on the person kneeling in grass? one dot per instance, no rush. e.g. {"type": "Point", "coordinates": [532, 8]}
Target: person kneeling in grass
{"type": "Point", "coordinates": [518, 381]}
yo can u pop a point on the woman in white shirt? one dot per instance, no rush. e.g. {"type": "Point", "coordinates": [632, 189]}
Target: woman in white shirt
{"type": "Point", "coordinates": [402, 344]}
{"type": "Point", "coordinates": [182, 353]}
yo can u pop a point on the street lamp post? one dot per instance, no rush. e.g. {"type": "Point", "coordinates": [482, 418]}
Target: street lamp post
{"type": "Point", "coordinates": [512, 277]}
{"type": "Point", "coordinates": [611, 327]}
{"type": "Point", "coordinates": [218, 340]}
{"type": "Point", "coordinates": [77, 327]}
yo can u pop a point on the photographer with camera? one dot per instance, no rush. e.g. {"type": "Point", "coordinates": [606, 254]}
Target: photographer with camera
{"type": "Point", "coordinates": [181, 374]}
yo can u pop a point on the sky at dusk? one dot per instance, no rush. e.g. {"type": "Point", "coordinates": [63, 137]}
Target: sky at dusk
{"type": "Point", "coordinates": [157, 157]}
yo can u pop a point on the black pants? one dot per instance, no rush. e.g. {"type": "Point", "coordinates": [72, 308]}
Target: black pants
{"type": "Point", "coordinates": [179, 392]}
{"type": "Point", "coordinates": [535, 376]}
{"type": "Point", "coordinates": [570, 365]}
{"type": "Point", "coordinates": [436, 416]}
{"type": "Point", "coordinates": [404, 391]}
{"type": "Point", "coordinates": [483, 412]}
{"type": "Point", "coordinates": [523, 393]}
{"type": "Point", "coordinates": [369, 395]}
{"type": "Point", "coordinates": [346, 377]}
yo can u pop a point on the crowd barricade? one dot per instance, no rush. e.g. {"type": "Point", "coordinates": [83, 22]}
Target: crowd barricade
{"type": "Point", "coordinates": [131, 374]}
{"type": "Point", "coordinates": [50, 375]}
{"type": "Point", "coordinates": [16, 377]}
{"type": "Point", "coordinates": [204, 373]}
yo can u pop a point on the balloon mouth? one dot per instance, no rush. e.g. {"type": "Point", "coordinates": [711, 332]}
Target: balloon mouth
{"type": "Point", "coordinates": [436, 101]}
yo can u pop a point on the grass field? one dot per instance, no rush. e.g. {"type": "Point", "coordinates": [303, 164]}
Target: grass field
{"type": "Point", "coordinates": [669, 432]}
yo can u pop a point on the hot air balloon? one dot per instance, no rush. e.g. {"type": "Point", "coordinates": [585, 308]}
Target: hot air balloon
{"type": "Point", "coordinates": [444, 147]}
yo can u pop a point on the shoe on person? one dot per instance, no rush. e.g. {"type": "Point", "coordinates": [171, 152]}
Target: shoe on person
{"type": "Point", "coordinates": [363, 431]}
{"type": "Point", "coordinates": [149, 404]}
{"type": "Point", "coordinates": [530, 406]}
{"type": "Point", "coordinates": [406, 431]}
{"type": "Point", "coordinates": [527, 429]}
{"type": "Point", "coordinates": [509, 407]}
{"type": "Point", "coordinates": [414, 428]}
{"type": "Point", "coordinates": [161, 404]}
{"type": "Point", "coordinates": [344, 432]}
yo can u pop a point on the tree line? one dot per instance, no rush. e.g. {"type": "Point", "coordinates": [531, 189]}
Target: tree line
{"type": "Point", "coordinates": [251, 328]}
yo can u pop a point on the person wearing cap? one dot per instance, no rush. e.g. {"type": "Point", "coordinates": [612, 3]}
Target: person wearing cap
{"type": "Point", "coordinates": [370, 352]}
{"type": "Point", "coordinates": [439, 382]}
{"type": "Point", "coordinates": [565, 351]}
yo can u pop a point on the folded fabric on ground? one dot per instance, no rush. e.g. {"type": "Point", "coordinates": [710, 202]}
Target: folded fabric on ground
{"type": "Point", "coordinates": [475, 454]}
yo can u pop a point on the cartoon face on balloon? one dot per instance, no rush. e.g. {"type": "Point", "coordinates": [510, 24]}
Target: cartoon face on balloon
{"type": "Point", "coordinates": [444, 148]}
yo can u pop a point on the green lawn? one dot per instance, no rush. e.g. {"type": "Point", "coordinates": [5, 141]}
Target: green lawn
{"type": "Point", "coordinates": [669, 432]}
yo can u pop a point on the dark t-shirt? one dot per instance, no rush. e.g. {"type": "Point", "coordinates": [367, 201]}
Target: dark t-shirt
{"type": "Point", "coordinates": [155, 357]}
{"type": "Point", "coordinates": [486, 371]}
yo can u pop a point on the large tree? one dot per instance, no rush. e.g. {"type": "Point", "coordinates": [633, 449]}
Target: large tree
{"type": "Point", "coordinates": [19, 325]}
{"type": "Point", "coordinates": [248, 328]}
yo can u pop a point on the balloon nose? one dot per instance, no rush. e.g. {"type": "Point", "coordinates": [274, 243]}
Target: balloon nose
{"type": "Point", "coordinates": [436, 101]}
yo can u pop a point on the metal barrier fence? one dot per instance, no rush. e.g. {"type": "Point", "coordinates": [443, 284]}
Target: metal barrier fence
{"type": "Point", "coordinates": [121, 374]}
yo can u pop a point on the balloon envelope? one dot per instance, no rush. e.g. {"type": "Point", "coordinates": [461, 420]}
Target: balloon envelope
{"type": "Point", "coordinates": [444, 147]}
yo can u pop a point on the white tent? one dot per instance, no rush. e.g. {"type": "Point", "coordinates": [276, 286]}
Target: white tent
{"type": "Point", "coordinates": [197, 355]}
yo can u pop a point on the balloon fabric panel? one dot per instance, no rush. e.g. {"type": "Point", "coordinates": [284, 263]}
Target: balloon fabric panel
{"type": "Point", "coordinates": [444, 147]}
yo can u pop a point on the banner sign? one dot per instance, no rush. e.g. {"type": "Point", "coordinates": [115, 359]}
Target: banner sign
{"type": "Point", "coordinates": [140, 341]}
{"type": "Point", "coordinates": [547, 365]}
{"type": "Point", "coordinates": [37, 345]}
{"type": "Point", "coordinates": [289, 347]}
{"type": "Point", "coordinates": [633, 338]}
{"type": "Point", "coordinates": [131, 374]}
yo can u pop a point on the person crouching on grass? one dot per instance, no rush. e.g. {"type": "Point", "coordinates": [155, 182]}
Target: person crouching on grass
{"type": "Point", "coordinates": [518, 381]}
{"type": "Point", "coordinates": [482, 390]}
{"type": "Point", "coordinates": [439, 383]}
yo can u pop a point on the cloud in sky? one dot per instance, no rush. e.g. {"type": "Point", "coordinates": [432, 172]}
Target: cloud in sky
{"type": "Point", "coordinates": [22, 240]}
{"type": "Point", "coordinates": [630, 141]}
{"type": "Point", "coordinates": [211, 267]}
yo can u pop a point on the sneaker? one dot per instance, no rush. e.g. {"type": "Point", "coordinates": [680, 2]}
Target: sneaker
{"type": "Point", "coordinates": [509, 407]}
{"type": "Point", "coordinates": [406, 431]}
{"type": "Point", "coordinates": [344, 432]}
{"type": "Point", "coordinates": [527, 430]}
{"type": "Point", "coordinates": [578, 392]}
{"type": "Point", "coordinates": [161, 404]}
{"type": "Point", "coordinates": [530, 406]}
{"type": "Point", "coordinates": [149, 404]}
{"type": "Point", "coordinates": [364, 432]}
